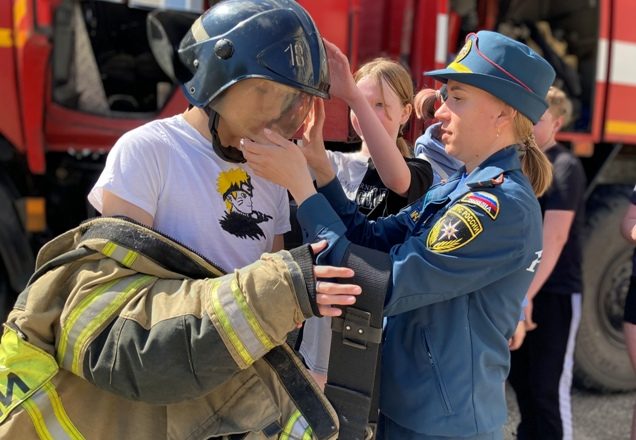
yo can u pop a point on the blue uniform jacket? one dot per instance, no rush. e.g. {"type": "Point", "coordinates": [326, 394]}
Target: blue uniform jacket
{"type": "Point", "coordinates": [463, 258]}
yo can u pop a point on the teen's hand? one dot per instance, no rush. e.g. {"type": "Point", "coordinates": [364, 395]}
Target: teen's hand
{"type": "Point", "coordinates": [329, 293]}
{"type": "Point", "coordinates": [280, 161]}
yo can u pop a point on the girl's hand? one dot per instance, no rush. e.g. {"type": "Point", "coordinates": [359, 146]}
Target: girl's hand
{"type": "Point", "coordinates": [281, 162]}
{"type": "Point", "coordinates": [313, 145]}
{"type": "Point", "coordinates": [341, 79]}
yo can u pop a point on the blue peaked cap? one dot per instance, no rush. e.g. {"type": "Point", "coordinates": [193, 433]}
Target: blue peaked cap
{"type": "Point", "coordinates": [505, 68]}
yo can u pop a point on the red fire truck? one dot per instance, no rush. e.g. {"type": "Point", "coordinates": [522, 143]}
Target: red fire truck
{"type": "Point", "coordinates": [76, 74]}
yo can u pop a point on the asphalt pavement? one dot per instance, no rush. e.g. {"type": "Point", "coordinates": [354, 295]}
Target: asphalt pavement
{"type": "Point", "coordinates": [595, 416]}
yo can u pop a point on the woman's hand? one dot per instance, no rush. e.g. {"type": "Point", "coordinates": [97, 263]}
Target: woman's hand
{"type": "Point", "coordinates": [313, 145]}
{"type": "Point", "coordinates": [527, 311]}
{"type": "Point", "coordinates": [281, 162]}
{"type": "Point", "coordinates": [329, 293]}
{"type": "Point", "coordinates": [517, 338]}
{"type": "Point", "coordinates": [342, 84]}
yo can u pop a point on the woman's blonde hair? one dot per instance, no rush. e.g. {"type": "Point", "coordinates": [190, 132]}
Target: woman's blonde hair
{"type": "Point", "coordinates": [534, 163]}
{"type": "Point", "coordinates": [399, 79]}
{"type": "Point", "coordinates": [559, 104]}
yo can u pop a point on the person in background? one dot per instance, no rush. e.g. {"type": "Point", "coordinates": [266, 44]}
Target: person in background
{"type": "Point", "coordinates": [462, 257]}
{"type": "Point", "coordinates": [429, 145]}
{"type": "Point", "coordinates": [628, 229]}
{"type": "Point", "coordinates": [541, 370]}
{"type": "Point", "coordinates": [382, 87]}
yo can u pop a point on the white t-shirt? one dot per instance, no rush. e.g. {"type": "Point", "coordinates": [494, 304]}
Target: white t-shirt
{"type": "Point", "coordinates": [220, 209]}
{"type": "Point", "coordinates": [350, 169]}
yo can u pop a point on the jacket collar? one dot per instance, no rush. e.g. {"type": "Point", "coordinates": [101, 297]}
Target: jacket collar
{"type": "Point", "coordinates": [501, 162]}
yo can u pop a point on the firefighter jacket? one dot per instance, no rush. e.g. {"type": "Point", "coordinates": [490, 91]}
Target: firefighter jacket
{"type": "Point", "coordinates": [123, 333]}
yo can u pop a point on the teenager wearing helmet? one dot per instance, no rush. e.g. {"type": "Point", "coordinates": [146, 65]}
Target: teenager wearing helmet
{"type": "Point", "coordinates": [462, 257]}
{"type": "Point", "coordinates": [244, 65]}
{"type": "Point", "coordinates": [125, 333]}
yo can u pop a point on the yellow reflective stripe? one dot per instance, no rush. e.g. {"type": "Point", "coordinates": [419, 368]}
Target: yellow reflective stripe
{"type": "Point", "coordinates": [6, 37]}
{"type": "Point", "coordinates": [101, 317]}
{"type": "Point", "coordinates": [91, 312]}
{"type": "Point", "coordinates": [37, 420]}
{"type": "Point", "coordinates": [24, 369]}
{"type": "Point", "coordinates": [109, 248]}
{"type": "Point", "coordinates": [239, 326]}
{"type": "Point", "coordinates": [125, 256]}
{"type": "Point", "coordinates": [74, 315]}
{"type": "Point", "coordinates": [287, 430]}
{"type": "Point", "coordinates": [309, 434]}
{"type": "Point", "coordinates": [130, 258]}
{"type": "Point", "coordinates": [296, 428]}
{"type": "Point", "coordinates": [251, 318]}
{"type": "Point", "coordinates": [60, 413]}
{"type": "Point", "coordinates": [227, 327]}
{"type": "Point", "coordinates": [49, 417]}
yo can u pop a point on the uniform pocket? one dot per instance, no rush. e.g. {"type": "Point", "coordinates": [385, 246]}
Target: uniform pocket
{"type": "Point", "coordinates": [441, 387]}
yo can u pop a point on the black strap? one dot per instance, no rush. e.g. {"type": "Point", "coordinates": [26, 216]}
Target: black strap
{"type": "Point", "coordinates": [355, 346]}
{"type": "Point", "coordinates": [305, 398]}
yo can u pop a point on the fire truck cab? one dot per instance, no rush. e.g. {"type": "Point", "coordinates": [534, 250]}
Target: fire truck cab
{"type": "Point", "coordinates": [76, 74]}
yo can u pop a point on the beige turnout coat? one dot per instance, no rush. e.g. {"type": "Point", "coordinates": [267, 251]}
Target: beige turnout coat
{"type": "Point", "coordinates": [124, 334]}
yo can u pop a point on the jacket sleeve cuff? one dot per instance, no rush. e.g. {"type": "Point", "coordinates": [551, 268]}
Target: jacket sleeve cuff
{"type": "Point", "coordinates": [303, 256]}
{"type": "Point", "coordinates": [319, 221]}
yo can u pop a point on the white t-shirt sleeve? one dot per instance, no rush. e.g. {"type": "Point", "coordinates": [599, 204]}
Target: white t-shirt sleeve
{"type": "Point", "coordinates": [283, 223]}
{"type": "Point", "coordinates": [132, 171]}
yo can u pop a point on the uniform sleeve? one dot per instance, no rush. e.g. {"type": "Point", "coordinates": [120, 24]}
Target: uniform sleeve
{"type": "Point", "coordinates": [133, 171]}
{"type": "Point", "coordinates": [316, 215]}
{"type": "Point", "coordinates": [421, 178]}
{"type": "Point", "coordinates": [568, 184]}
{"type": "Point", "coordinates": [167, 340]}
{"type": "Point", "coordinates": [474, 243]}
{"type": "Point", "coordinates": [632, 198]}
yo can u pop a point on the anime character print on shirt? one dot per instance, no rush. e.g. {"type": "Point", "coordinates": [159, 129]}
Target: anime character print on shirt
{"type": "Point", "coordinates": [240, 219]}
{"type": "Point", "coordinates": [460, 224]}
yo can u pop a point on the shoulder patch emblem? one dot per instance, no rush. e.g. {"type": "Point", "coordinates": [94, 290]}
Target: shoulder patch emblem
{"type": "Point", "coordinates": [457, 227]}
{"type": "Point", "coordinates": [487, 202]}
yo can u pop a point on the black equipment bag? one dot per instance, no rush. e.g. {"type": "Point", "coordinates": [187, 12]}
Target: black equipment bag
{"type": "Point", "coordinates": [355, 346]}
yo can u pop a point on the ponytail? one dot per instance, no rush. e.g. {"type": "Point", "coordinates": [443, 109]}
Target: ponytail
{"type": "Point", "coordinates": [424, 104]}
{"type": "Point", "coordinates": [403, 145]}
{"type": "Point", "coordinates": [534, 163]}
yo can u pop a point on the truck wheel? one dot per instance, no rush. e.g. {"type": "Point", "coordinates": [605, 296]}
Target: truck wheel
{"type": "Point", "coordinates": [601, 360]}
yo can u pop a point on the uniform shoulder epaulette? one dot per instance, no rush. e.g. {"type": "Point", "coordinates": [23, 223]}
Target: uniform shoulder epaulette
{"type": "Point", "coordinates": [490, 183]}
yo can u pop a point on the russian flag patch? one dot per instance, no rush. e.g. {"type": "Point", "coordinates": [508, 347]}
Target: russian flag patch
{"type": "Point", "coordinates": [486, 201]}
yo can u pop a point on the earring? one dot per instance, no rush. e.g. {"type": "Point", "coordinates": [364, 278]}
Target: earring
{"type": "Point", "coordinates": [498, 132]}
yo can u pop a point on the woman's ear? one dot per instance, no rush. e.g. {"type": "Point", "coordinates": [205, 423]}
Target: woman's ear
{"type": "Point", "coordinates": [406, 113]}
{"type": "Point", "coordinates": [558, 124]}
{"type": "Point", "coordinates": [505, 118]}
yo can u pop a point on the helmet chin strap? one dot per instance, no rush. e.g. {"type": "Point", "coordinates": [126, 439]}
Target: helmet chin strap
{"type": "Point", "coordinates": [227, 153]}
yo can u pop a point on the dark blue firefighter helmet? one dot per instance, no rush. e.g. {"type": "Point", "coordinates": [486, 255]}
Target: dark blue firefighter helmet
{"type": "Point", "coordinates": [239, 39]}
